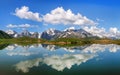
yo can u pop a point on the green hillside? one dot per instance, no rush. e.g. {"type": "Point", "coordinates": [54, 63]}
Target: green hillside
{"type": "Point", "coordinates": [4, 35]}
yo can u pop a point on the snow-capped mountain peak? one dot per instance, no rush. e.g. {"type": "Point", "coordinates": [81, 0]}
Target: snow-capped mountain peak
{"type": "Point", "coordinates": [70, 28]}
{"type": "Point", "coordinates": [25, 33]}
{"type": "Point", "coordinates": [68, 33]}
{"type": "Point", "coordinates": [10, 32]}
{"type": "Point", "coordinates": [51, 31]}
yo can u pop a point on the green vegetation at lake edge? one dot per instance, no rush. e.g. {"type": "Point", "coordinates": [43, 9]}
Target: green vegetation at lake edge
{"type": "Point", "coordinates": [4, 35]}
{"type": "Point", "coordinates": [60, 41]}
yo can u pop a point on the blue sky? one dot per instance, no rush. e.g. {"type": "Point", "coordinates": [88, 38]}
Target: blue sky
{"type": "Point", "coordinates": [104, 12]}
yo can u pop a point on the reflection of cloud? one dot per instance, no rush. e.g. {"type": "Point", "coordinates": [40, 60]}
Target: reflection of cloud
{"type": "Point", "coordinates": [24, 66]}
{"type": "Point", "coordinates": [94, 48]}
{"type": "Point", "coordinates": [22, 53]}
{"type": "Point", "coordinates": [67, 61]}
{"type": "Point", "coordinates": [114, 48]}
{"type": "Point", "coordinates": [58, 63]}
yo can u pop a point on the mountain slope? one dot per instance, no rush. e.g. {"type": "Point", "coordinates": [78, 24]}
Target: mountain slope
{"type": "Point", "coordinates": [4, 35]}
{"type": "Point", "coordinates": [78, 33]}
{"type": "Point", "coordinates": [50, 34]}
{"type": "Point", "coordinates": [68, 33]}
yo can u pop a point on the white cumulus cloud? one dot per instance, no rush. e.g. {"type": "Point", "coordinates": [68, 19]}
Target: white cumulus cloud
{"type": "Point", "coordinates": [113, 32]}
{"type": "Point", "coordinates": [101, 32]}
{"type": "Point", "coordinates": [21, 26]}
{"type": "Point", "coordinates": [66, 17]}
{"type": "Point", "coordinates": [24, 13]}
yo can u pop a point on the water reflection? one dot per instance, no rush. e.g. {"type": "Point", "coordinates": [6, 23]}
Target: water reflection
{"type": "Point", "coordinates": [24, 66]}
{"type": "Point", "coordinates": [58, 58]}
{"type": "Point", "coordinates": [50, 47]}
{"type": "Point", "coordinates": [2, 46]}
{"type": "Point", "coordinates": [94, 48]}
{"type": "Point", "coordinates": [15, 49]}
{"type": "Point", "coordinates": [56, 62]}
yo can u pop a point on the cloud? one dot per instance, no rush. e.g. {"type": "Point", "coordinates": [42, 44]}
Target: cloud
{"type": "Point", "coordinates": [70, 28]}
{"type": "Point", "coordinates": [114, 30]}
{"type": "Point", "coordinates": [56, 16]}
{"type": "Point", "coordinates": [24, 13]}
{"type": "Point", "coordinates": [11, 26]}
{"type": "Point", "coordinates": [21, 26]}
{"type": "Point", "coordinates": [101, 32]}
{"type": "Point", "coordinates": [99, 20]}
{"type": "Point", "coordinates": [66, 17]}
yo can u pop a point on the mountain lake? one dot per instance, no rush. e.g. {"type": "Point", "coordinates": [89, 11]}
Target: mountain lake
{"type": "Point", "coordinates": [42, 59]}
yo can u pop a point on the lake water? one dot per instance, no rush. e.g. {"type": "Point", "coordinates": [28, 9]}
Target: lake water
{"type": "Point", "coordinates": [95, 59]}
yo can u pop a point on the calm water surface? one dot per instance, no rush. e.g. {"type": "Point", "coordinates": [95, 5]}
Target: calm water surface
{"type": "Point", "coordinates": [95, 59]}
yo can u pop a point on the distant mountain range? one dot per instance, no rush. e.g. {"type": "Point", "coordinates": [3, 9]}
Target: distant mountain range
{"type": "Point", "coordinates": [52, 34]}
{"type": "Point", "coordinates": [68, 33]}
{"type": "Point", "coordinates": [14, 34]}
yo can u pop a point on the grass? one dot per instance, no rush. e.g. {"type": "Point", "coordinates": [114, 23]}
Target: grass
{"type": "Point", "coordinates": [60, 41]}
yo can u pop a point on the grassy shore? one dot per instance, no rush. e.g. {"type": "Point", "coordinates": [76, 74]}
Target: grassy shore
{"type": "Point", "coordinates": [61, 41]}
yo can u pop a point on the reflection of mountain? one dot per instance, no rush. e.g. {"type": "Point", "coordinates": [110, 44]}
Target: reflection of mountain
{"type": "Point", "coordinates": [2, 46]}
{"type": "Point", "coordinates": [11, 47]}
{"type": "Point", "coordinates": [29, 49]}
{"type": "Point", "coordinates": [86, 48]}
{"type": "Point", "coordinates": [21, 50]}
{"type": "Point", "coordinates": [56, 62]}
{"type": "Point", "coordinates": [50, 47]}
{"type": "Point", "coordinates": [74, 48]}
{"type": "Point", "coordinates": [69, 49]}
